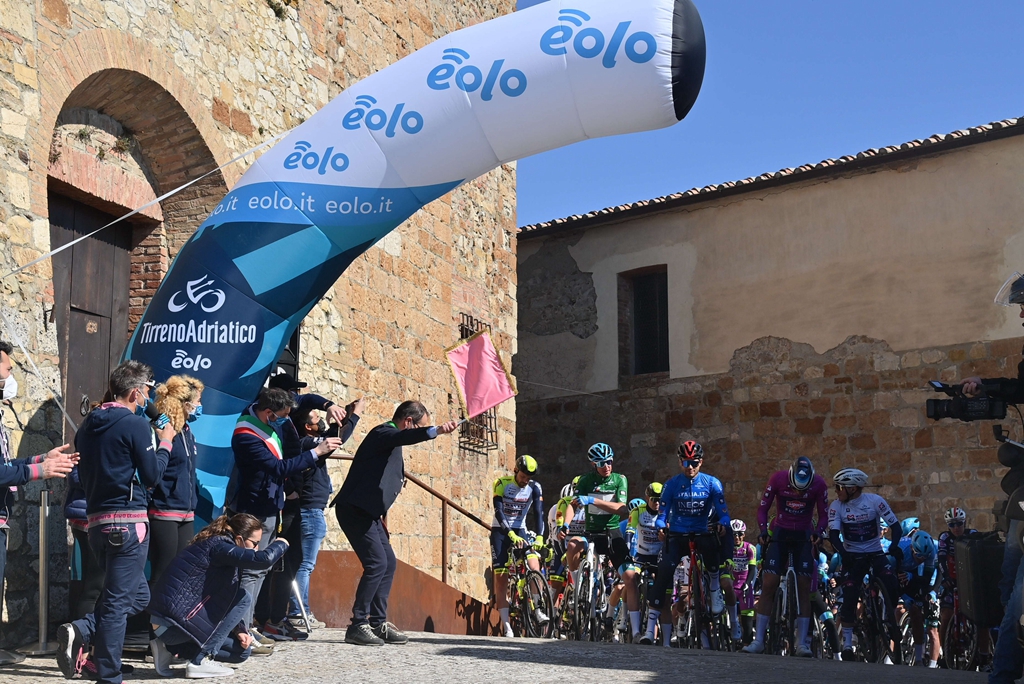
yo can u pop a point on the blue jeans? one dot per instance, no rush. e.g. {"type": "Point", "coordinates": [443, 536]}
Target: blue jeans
{"type": "Point", "coordinates": [125, 592]}
{"type": "Point", "coordinates": [314, 529]}
{"type": "Point", "coordinates": [220, 645]}
{"type": "Point", "coordinates": [252, 580]}
{"type": "Point", "coordinates": [1008, 658]}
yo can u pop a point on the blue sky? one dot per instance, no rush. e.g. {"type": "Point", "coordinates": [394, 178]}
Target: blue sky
{"type": "Point", "coordinates": [793, 81]}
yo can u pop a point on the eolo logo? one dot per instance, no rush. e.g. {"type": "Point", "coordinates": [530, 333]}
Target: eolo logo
{"type": "Point", "coordinates": [376, 119]}
{"type": "Point", "coordinates": [469, 78]}
{"type": "Point", "coordinates": [639, 46]}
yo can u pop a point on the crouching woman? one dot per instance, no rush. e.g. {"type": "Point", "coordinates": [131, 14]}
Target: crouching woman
{"type": "Point", "coordinates": [198, 607]}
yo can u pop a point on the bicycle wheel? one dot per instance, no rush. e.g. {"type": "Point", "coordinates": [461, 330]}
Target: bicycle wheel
{"type": "Point", "coordinates": [584, 604]}
{"type": "Point", "coordinates": [690, 637]}
{"type": "Point", "coordinates": [892, 638]}
{"type": "Point", "coordinates": [961, 644]}
{"type": "Point", "coordinates": [792, 611]}
{"type": "Point", "coordinates": [907, 639]}
{"type": "Point", "coordinates": [537, 596]}
{"type": "Point", "coordinates": [515, 609]}
{"type": "Point", "coordinates": [775, 642]}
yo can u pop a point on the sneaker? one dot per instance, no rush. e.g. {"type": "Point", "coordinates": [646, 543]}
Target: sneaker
{"type": "Point", "coordinates": [362, 635]}
{"type": "Point", "coordinates": [648, 638]}
{"type": "Point", "coordinates": [312, 624]}
{"type": "Point", "coordinates": [754, 646]}
{"type": "Point", "coordinates": [616, 639]}
{"type": "Point", "coordinates": [848, 655]}
{"type": "Point", "coordinates": [259, 649]}
{"type": "Point", "coordinates": [206, 669]}
{"type": "Point", "coordinates": [637, 637]}
{"type": "Point", "coordinates": [284, 631]}
{"type": "Point", "coordinates": [506, 629]}
{"type": "Point", "coordinates": [161, 658]}
{"type": "Point", "coordinates": [887, 660]}
{"type": "Point", "coordinates": [261, 637]}
{"type": "Point", "coordinates": [540, 617]}
{"type": "Point", "coordinates": [837, 656]}
{"type": "Point", "coordinates": [803, 651]}
{"type": "Point", "coordinates": [70, 647]}
{"type": "Point", "coordinates": [10, 658]}
{"type": "Point", "coordinates": [717, 602]}
{"type": "Point", "coordinates": [87, 669]}
{"type": "Point", "coordinates": [390, 634]}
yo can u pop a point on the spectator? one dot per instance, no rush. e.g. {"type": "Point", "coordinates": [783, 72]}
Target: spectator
{"type": "Point", "coordinates": [199, 605]}
{"type": "Point", "coordinates": [120, 459]}
{"type": "Point", "coordinates": [17, 472]}
{"type": "Point", "coordinates": [262, 471]}
{"type": "Point", "coordinates": [175, 497]}
{"type": "Point", "coordinates": [372, 485]}
{"type": "Point", "coordinates": [315, 491]}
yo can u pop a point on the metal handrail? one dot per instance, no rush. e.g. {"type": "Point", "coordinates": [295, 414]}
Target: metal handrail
{"type": "Point", "coordinates": [445, 503]}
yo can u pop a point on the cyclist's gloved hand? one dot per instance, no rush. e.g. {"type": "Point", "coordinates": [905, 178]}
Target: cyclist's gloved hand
{"type": "Point", "coordinates": [585, 500]}
{"type": "Point", "coordinates": [763, 538]}
{"type": "Point", "coordinates": [514, 538]}
{"type": "Point", "coordinates": [538, 542]}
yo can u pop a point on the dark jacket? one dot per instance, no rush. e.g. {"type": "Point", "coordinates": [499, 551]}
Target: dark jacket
{"type": "Point", "coordinates": [74, 500]}
{"type": "Point", "coordinates": [176, 496]}
{"type": "Point", "coordinates": [120, 458]}
{"type": "Point", "coordinates": [378, 471]}
{"type": "Point", "coordinates": [314, 486]}
{"type": "Point", "coordinates": [14, 474]}
{"type": "Point", "coordinates": [288, 432]}
{"type": "Point", "coordinates": [198, 588]}
{"type": "Point", "coordinates": [262, 475]}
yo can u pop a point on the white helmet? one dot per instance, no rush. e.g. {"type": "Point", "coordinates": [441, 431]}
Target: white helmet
{"type": "Point", "coordinates": [738, 526]}
{"type": "Point", "coordinates": [567, 491]}
{"type": "Point", "coordinates": [955, 514]}
{"type": "Point", "coordinates": [851, 477]}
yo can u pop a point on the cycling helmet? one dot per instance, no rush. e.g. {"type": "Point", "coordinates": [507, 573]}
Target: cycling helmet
{"type": "Point", "coordinates": [600, 453]}
{"type": "Point", "coordinates": [635, 504]}
{"type": "Point", "coordinates": [526, 464]}
{"type": "Point", "coordinates": [908, 525]}
{"type": "Point", "coordinates": [654, 490]}
{"type": "Point", "coordinates": [883, 524]}
{"type": "Point", "coordinates": [801, 473]}
{"type": "Point", "coordinates": [738, 526]}
{"type": "Point", "coordinates": [691, 450]}
{"type": "Point", "coordinates": [922, 545]}
{"type": "Point", "coordinates": [850, 477]}
{"type": "Point", "coordinates": [955, 514]}
{"type": "Point", "coordinates": [1012, 291]}
{"type": "Point", "coordinates": [567, 491]}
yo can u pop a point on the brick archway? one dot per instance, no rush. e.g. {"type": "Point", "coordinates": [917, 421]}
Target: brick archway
{"type": "Point", "coordinates": [134, 82]}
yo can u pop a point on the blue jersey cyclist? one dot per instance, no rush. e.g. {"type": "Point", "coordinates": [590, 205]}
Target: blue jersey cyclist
{"type": "Point", "coordinates": [514, 497]}
{"type": "Point", "coordinates": [689, 501]}
{"type": "Point", "coordinates": [917, 575]}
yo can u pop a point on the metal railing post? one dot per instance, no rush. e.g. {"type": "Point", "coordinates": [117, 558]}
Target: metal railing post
{"type": "Point", "coordinates": [44, 647]}
{"type": "Point", "coordinates": [444, 541]}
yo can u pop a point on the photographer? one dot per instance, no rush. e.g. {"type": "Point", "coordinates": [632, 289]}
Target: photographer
{"type": "Point", "coordinates": [1008, 658]}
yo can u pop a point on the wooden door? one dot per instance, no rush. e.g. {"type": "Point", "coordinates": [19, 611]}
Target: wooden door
{"type": "Point", "coordinates": [90, 281]}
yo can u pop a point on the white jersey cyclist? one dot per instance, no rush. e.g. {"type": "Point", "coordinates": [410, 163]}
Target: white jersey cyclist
{"type": "Point", "coordinates": [858, 521]}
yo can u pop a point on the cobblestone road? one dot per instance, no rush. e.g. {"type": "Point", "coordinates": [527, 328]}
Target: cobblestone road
{"type": "Point", "coordinates": [436, 658]}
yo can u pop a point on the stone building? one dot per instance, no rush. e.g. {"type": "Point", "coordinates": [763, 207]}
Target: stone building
{"type": "Point", "coordinates": [106, 106]}
{"type": "Point", "coordinates": [796, 313]}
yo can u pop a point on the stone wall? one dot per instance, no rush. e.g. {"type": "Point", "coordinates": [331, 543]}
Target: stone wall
{"type": "Point", "coordinates": [193, 83]}
{"type": "Point", "coordinates": [860, 404]}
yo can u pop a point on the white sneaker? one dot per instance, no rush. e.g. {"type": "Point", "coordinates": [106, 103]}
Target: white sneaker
{"type": "Point", "coordinates": [161, 658]}
{"type": "Point", "coordinates": [737, 632]}
{"type": "Point", "coordinates": [208, 668]}
{"type": "Point", "coordinates": [887, 660]}
{"type": "Point", "coordinates": [754, 646]}
{"type": "Point", "coordinates": [717, 602]}
{"type": "Point", "coordinates": [837, 656]}
{"type": "Point", "coordinates": [803, 652]}
{"type": "Point", "coordinates": [507, 630]}
{"type": "Point", "coordinates": [540, 617]}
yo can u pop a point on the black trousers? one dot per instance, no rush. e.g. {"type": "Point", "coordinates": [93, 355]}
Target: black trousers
{"type": "Point", "coordinates": [369, 539]}
{"type": "Point", "coordinates": [86, 592]}
{"type": "Point", "coordinates": [168, 538]}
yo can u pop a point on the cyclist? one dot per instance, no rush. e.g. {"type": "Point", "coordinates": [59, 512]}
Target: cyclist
{"type": "Point", "coordinates": [956, 521]}
{"type": "Point", "coordinates": [917, 578]}
{"type": "Point", "coordinates": [603, 493]}
{"type": "Point", "coordinates": [738, 579]}
{"type": "Point", "coordinates": [514, 497]}
{"type": "Point", "coordinates": [643, 542]}
{"type": "Point", "coordinates": [688, 502]}
{"type": "Point", "coordinates": [856, 515]}
{"type": "Point", "coordinates": [797, 494]}
{"type": "Point", "coordinates": [558, 523]}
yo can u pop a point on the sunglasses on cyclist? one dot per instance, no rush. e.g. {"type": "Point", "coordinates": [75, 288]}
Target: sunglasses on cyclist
{"type": "Point", "coordinates": [691, 462]}
{"type": "Point", "coordinates": [958, 523]}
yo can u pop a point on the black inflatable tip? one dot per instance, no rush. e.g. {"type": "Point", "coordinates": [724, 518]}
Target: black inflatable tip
{"type": "Point", "coordinates": [689, 54]}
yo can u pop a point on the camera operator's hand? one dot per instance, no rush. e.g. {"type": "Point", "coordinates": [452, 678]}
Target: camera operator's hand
{"type": "Point", "coordinates": [165, 433]}
{"type": "Point", "coordinates": [327, 446]}
{"type": "Point", "coordinates": [971, 386]}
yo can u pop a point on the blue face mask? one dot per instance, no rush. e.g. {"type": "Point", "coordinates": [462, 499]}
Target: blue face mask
{"type": "Point", "coordinates": [197, 411]}
{"type": "Point", "coordinates": [278, 421]}
{"type": "Point", "coordinates": [141, 410]}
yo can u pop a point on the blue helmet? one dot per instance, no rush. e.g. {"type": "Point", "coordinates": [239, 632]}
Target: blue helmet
{"type": "Point", "coordinates": [801, 473]}
{"type": "Point", "coordinates": [908, 525]}
{"type": "Point", "coordinates": [923, 546]}
{"type": "Point", "coordinates": [635, 504]}
{"type": "Point", "coordinates": [600, 453]}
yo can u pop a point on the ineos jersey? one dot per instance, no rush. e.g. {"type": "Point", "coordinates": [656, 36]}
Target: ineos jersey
{"type": "Point", "coordinates": [690, 505]}
{"type": "Point", "coordinates": [858, 522]}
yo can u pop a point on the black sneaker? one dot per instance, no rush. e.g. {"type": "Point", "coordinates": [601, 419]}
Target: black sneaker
{"type": "Point", "coordinates": [70, 645]}
{"type": "Point", "coordinates": [362, 635]}
{"type": "Point", "coordinates": [848, 656]}
{"type": "Point", "coordinates": [390, 634]}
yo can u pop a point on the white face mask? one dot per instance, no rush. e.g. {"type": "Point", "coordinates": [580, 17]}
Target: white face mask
{"type": "Point", "coordinates": [10, 387]}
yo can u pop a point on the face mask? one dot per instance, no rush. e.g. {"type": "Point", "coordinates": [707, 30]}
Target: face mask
{"type": "Point", "coordinates": [141, 410]}
{"type": "Point", "coordinates": [10, 387]}
{"type": "Point", "coordinates": [321, 427]}
{"type": "Point", "coordinates": [197, 411]}
{"type": "Point", "coordinates": [278, 421]}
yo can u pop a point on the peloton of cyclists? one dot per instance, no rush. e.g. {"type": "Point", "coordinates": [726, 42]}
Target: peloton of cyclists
{"type": "Point", "coordinates": [797, 494]}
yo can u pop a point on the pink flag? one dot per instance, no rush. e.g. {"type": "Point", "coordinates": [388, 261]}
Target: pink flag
{"type": "Point", "coordinates": [481, 377]}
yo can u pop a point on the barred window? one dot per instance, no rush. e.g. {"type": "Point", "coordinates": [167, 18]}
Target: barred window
{"type": "Point", "coordinates": [479, 434]}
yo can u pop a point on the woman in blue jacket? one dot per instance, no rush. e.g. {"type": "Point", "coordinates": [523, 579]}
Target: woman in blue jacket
{"type": "Point", "coordinates": [175, 497]}
{"type": "Point", "coordinates": [198, 606]}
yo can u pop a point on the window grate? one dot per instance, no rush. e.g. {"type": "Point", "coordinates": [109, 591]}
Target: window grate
{"type": "Point", "coordinates": [479, 434]}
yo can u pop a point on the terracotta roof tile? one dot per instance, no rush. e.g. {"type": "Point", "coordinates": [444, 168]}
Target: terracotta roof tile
{"type": "Point", "coordinates": [868, 157]}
